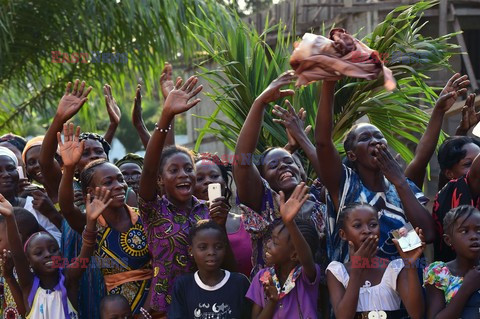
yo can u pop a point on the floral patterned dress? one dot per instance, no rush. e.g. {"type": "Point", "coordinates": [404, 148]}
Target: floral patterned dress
{"type": "Point", "coordinates": [438, 275]}
{"type": "Point", "coordinates": [167, 231]}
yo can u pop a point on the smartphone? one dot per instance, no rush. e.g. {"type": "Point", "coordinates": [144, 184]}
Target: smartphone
{"type": "Point", "coordinates": [214, 191]}
{"type": "Point", "coordinates": [20, 172]}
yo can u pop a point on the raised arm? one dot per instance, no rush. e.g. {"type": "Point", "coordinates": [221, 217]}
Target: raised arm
{"type": "Point", "coordinates": [245, 173]}
{"type": "Point", "coordinates": [470, 117]}
{"type": "Point", "coordinates": [455, 87]}
{"type": "Point", "coordinates": [69, 105]}
{"type": "Point", "coordinates": [178, 101]}
{"type": "Point", "coordinates": [297, 136]}
{"type": "Point", "coordinates": [25, 276]}
{"type": "Point", "coordinates": [167, 85]}
{"type": "Point", "coordinates": [114, 113]}
{"type": "Point", "coordinates": [71, 151]}
{"type": "Point", "coordinates": [289, 210]}
{"type": "Point", "coordinates": [7, 266]}
{"type": "Point", "coordinates": [415, 212]}
{"type": "Point", "coordinates": [329, 161]}
{"type": "Point", "coordinates": [137, 118]}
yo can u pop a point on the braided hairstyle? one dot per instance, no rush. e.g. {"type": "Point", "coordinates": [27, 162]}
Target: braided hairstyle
{"type": "Point", "coordinates": [347, 209]}
{"type": "Point", "coordinates": [454, 214]}
{"type": "Point", "coordinates": [225, 170]}
{"type": "Point", "coordinates": [87, 174]}
{"type": "Point", "coordinates": [95, 137]}
{"type": "Point", "coordinates": [171, 150]}
{"type": "Point", "coordinates": [308, 231]}
{"type": "Point", "coordinates": [205, 224]}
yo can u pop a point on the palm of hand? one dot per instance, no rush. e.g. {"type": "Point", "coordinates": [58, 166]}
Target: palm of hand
{"type": "Point", "coordinates": [114, 111]}
{"type": "Point", "coordinates": [177, 101]}
{"type": "Point", "coordinates": [71, 152]}
{"type": "Point", "coordinates": [167, 87]}
{"type": "Point", "coordinates": [68, 106]}
{"type": "Point", "coordinates": [290, 209]}
{"type": "Point", "coordinates": [95, 208]}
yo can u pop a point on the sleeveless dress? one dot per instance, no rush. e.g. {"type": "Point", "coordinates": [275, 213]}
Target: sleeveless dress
{"type": "Point", "coordinates": [48, 304]}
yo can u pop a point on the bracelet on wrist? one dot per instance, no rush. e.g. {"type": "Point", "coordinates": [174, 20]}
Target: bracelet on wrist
{"type": "Point", "coordinates": [163, 130]}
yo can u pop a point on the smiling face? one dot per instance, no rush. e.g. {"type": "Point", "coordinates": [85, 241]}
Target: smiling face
{"type": "Point", "coordinates": [464, 236]}
{"type": "Point", "coordinates": [207, 173]}
{"type": "Point", "coordinates": [279, 247]}
{"type": "Point", "coordinates": [461, 168]}
{"type": "Point", "coordinates": [208, 249]}
{"type": "Point", "coordinates": [132, 173]}
{"type": "Point", "coordinates": [280, 171]}
{"type": "Point", "coordinates": [40, 252]}
{"type": "Point", "coordinates": [178, 178]}
{"type": "Point", "coordinates": [33, 167]}
{"type": "Point", "coordinates": [109, 176]}
{"type": "Point", "coordinates": [93, 150]}
{"type": "Point", "coordinates": [366, 137]}
{"type": "Point", "coordinates": [8, 176]}
{"type": "Point", "coordinates": [359, 224]}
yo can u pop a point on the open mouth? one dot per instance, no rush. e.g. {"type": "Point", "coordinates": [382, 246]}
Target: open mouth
{"type": "Point", "coordinates": [119, 196]}
{"type": "Point", "coordinates": [49, 263]}
{"type": "Point", "coordinates": [475, 246]}
{"type": "Point", "coordinates": [184, 187]}
{"type": "Point", "coordinates": [286, 175]}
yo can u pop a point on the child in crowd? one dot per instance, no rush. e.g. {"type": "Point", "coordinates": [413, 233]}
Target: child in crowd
{"type": "Point", "coordinates": [115, 307]}
{"type": "Point", "coordinates": [289, 287]}
{"type": "Point", "coordinates": [210, 292]}
{"type": "Point", "coordinates": [452, 287]}
{"type": "Point", "coordinates": [49, 292]}
{"type": "Point", "coordinates": [368, 286]}
{"type": "Point", "coordinates": [168, 219]}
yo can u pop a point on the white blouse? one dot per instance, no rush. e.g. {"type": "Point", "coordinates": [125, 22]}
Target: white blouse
{"type": "Point", "coordinates": [383, 296]}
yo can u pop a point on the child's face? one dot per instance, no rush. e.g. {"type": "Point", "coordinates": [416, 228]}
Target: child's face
{"type": "Point", "coordinates": [465, 236]}
{"type": "Point", "coordinates": [359, 224]}
{"type": "Point", "coordinates": [109, 176]}
{"type": "Point", "coordinates": [279, 247]}
{"type": "Point", "coordinates": [207, 172]}
{"type": "Point", "coordinates": [3, 237]}
{"type": "Point", "coordinates": [40, 252]}
{"type": "Point", "coordinates": [116, 309]}
{"type": "Point", "coordinates": [208, 249]}
{"type": "Point", "coordinates": [178, 178]}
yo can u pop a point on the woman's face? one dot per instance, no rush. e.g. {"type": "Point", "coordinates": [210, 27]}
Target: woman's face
{"type": "Point", "coordinates": [8, 176]}
{"type": "Point", "coordinates": [109, 176]}
{"type": "Point", "coordinates": [178, 178]}
{"type": "Point", "coordinates": [280, 171]}
{"type": "Point", "coordinates": [93, 150]}
{"type": "Point", "coordinates": [461, 168]}
{"type": "Point", "coordinates": [207, 173]}
{"type": "Point", "coordinates": [132, 173]}
{"type": "Point", "coordinates": [366, 138]}
{"type": "Point", "coordinates": [33, 167]}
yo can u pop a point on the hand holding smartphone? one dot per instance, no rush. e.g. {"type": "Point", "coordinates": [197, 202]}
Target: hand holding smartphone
{"type": "Point", "coordinates": [214, 191]}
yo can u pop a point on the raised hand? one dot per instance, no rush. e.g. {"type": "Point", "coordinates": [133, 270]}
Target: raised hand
{"type": "Point", "coordinates": [270, 290]}
{"type": "Point", "coordinates": [367, 249]}
{"type": "Point", "coordinates": [273, 92]}
{"type": "Point", "coordinates": [294, 123]}
{"type": "Point", "coordinates": [469, 117]}
{"type": "Point", "coordinates": [411, 256]}
{"type": "Point", "coordinates": [166, 81]}
{"type": "Point", "coordinates": [6, 264]}
{"type": "Point", "coordinates": [388, 165]}
{"type": "Point", "coordinates": [6, 208]}
{"type": "Point", "coordinates": [137, 118]}
{"type": "Point", "coordinates": [95, 207]}
{"type": "Point", "coordinates": [456, 86]}
{"type": "Point", "coordinates": [113, 110]}
{"type": "Point", "coordinates": [71, 148]}
{"type": "Point", "coordinates": [219, 209]}
{"type": "Point", "coordinates": [289, 209]}
{"type": "Point", "coordinates": [178, 100]}
{"type": "Point", "coordinates": [72, 101]}
{"type": "Point", "coordinates": [42, 203]}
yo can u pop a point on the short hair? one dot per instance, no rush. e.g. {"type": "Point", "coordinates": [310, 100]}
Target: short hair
{"type": "Point", "coordinates": [205, 224]}
{"type": "Point", "coordinates": [112, 298]}
{"type": "Point", "coordinates": [171, 150]}
{"type": "Point", "coordinates": [450, 152]}
{"type": "Point", "coordinates": [454, 214]}
{"type": "Point", "coordinates": [27, 223]}
{"type": "Point", "coordinates": [87, 173]}
{"type": "Point", "coordinates": [308, 231]}
{"type": "Point", "coordinates": [347, 209]}
{"type": "Point", "coordinates": [224, 167]}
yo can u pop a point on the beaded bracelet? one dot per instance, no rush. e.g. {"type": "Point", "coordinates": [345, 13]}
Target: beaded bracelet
{"type": "Point", "coordinates": [163, 130]}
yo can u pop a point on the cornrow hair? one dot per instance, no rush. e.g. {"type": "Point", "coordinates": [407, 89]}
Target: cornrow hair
{"type": "Point", "coordinates": [308, 231]}
{"type": "Point", "coordinates": [87, 174]}
{"type": "Point", "coordinates": [225, 169]}
{"type": "Point", "coordinates": [347, 209]}
{"type": "Point", "coordinates": [261, 161]}
{"type": "Point", "coordinates": [96, 137]}
{"type": "Point", "coordinates": [171, 150]}
{"type": "Point", "coordinates": [205, 224]}
{"type": "Point", "coordinates": [454, 214]}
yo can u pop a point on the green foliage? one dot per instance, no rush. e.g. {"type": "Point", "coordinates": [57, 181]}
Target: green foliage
{"type": "Point", "coordinates": [247, 64]}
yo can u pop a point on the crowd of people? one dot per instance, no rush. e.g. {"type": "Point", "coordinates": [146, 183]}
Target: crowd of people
{"type": "Point", "coordinates": [81, 237]}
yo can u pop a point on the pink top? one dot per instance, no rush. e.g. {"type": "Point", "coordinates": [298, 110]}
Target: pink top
{"type": "Point", "coordinates": [242, 249]}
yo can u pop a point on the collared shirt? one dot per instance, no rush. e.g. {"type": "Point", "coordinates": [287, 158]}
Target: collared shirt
{"type": "Point", "coordinates": [167, 230]}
